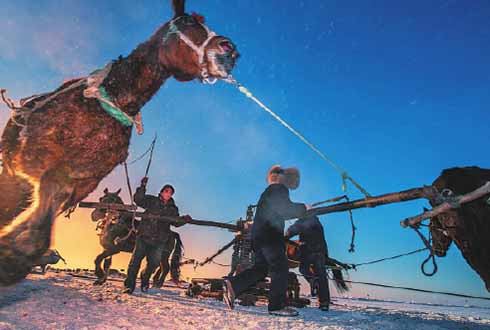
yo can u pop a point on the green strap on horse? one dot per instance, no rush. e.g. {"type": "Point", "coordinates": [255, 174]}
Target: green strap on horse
{"type": "Point", "coordinates": [112, 110]}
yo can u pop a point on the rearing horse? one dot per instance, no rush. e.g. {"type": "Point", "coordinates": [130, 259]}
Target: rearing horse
{"type": "Point", "coordinates": [117, 236]}
{"type": "Point", "coordinates": [58, 146]}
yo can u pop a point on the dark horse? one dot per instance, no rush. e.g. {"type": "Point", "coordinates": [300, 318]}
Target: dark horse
{"type": "Point", "coordinates": [117, 235]}
{"type": "Point", "coordinates": [469, 225]}
{"type": "Point", "coordinates": [58, 146]}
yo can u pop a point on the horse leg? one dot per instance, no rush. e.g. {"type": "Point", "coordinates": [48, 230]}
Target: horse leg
{"type": "Point", "coordinates": [99, 272]}
{"type": "Point", "coordinates": [156, 277]}
{"type": "Point", "coordinates": [107, 267]}
{"type": "Point", "coordinates": [24, 240]}
{"type": "Point", "coordinates": [176, 259]}
{"type": "Point", "coordinates": [175, 268]}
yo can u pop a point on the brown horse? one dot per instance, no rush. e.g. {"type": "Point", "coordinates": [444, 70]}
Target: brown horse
{"type": "Point", "coordinates": [117, 236]}
{"type": "Point", "coordinates": [469, 225]}
{"type": "Point", "coordinates": [58, 146]}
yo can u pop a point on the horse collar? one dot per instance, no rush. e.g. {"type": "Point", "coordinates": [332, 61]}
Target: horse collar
{"type": "Point", "coordinates": [96, 90]}
{"type": "Point", "coordinates": [173, 29]}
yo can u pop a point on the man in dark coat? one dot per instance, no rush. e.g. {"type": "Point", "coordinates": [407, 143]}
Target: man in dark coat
{"type": "Point", "coordinates": [273, 208]}
{"type": "Point", "coordinates": [152, 233]}
{"type": "Point", "coordinates": [313, 252]}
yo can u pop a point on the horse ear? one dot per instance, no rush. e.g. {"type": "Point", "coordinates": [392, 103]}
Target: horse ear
{"type": "Point", "coordinates": [117, 192]}
{"type": "Point", "coordinates": [106, 191]}
{"type": "Point", "coordinates": [179, 7]}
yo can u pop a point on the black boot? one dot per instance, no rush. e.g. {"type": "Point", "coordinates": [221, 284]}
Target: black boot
{"type": "Point", "coordinates": [324, 307]}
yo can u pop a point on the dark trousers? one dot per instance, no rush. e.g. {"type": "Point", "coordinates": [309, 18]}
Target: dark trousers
{"type": "Point", "coordinates": [163, 270]}
{"type": "Point", "coordinates": [268, 259]}
{"type": "Point", "coordinates": [317, 260]}
{"type": "Point", "coordinates": [152, 253]}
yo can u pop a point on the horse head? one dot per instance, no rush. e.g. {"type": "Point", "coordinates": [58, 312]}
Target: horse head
{"type": "Point", "coordinates": [441, 240]}
{"type": "Point", "coordinates": [107, 198]}
{"type": "Point", "coordinates": [469, 225]}
{"type": "Point", "coordinates": [191, 50]}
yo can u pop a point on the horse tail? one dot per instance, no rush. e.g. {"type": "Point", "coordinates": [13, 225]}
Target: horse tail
{"type": "Point", "coordinates": [339, 282]}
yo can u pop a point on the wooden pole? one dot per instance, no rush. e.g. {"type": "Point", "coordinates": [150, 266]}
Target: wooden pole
{"type": "Point", "coordinates": [223, 249]}
{"type": "Point", "coordinates": [180, 220]}
{"type": "Point", "coordinates": [402, 196]}
{"type": "Point", "coordinates": [451, 203]}
{"type": "Point", "coordinates": [112, 206]}
{"type": "Point", "coordinates": [173, 219]}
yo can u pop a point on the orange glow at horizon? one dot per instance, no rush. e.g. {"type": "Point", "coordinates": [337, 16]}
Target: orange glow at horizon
{"type": "Point", "coordinates": [78, 242]}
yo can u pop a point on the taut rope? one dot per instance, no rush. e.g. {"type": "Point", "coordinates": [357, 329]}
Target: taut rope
{"type": "Point", "coordinates": [345, 176]}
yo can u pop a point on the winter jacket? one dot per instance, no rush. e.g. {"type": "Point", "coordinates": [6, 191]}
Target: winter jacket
{"type": "Point", "coordinates": [154, 231]}
{"type": "Point", "coordinates": [310, 231]}
{"type": "Point", "coordinates": [273, 208]}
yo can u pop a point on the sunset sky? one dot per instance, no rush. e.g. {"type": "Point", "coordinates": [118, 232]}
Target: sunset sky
{"type": "Point", "coordinates": [393, 91]}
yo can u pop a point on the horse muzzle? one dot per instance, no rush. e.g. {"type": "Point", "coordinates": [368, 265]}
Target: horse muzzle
{"type": "Point", "coordinates": [221, 64]}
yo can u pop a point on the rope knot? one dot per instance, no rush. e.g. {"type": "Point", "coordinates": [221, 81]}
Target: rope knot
{"type": "Point", "coordinates": [245, 91]}
{"type": "Point", "coordinates": [344, 176]}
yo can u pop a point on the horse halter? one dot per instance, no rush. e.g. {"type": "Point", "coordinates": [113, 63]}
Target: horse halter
{"type": "Point", "coordinates": [173, 29]}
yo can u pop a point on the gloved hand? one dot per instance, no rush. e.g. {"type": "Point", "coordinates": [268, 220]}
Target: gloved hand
{"type": "Point", "coordinates": [308, 207]}
{"type": "Point", "coordinates": [144, 181]}
{"type": "Point", "coordinates": [187, 218]}
{"type": "Point", "coordinates": [347, 266]}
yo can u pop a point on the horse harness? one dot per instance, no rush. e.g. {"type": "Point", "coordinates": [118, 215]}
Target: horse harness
{"type": "Point", "coordinates": [199, 50]}
{"type": "Point", "coordinates": [93, 89]}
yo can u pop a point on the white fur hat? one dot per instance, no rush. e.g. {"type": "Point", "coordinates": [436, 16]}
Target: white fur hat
{"type": "Point", "coordinates": [287, 176]}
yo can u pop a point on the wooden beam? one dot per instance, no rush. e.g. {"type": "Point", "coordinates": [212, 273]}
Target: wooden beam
{"type": "Point", "coordinates": [223, 249]}
{"type": "Point", "coordinates": [451, 203]}
{"type": "Point", "coordinates": [401, 196]}
{"type": "Point", "coordinates": [112, 206]}
{"type": "Point", "coordinates": [180, 220]}
{"type": "Point", "coordinates": [177, 220]}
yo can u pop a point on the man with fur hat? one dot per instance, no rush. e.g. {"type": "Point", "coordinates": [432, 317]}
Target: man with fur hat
{"type": "Point", "coordinates": [153, 234]}
{"type": "Point", "coordinates": [273, 208]}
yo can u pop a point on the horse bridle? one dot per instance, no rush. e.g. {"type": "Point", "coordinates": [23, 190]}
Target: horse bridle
{"type": "Point", "coordinates": [200, 50]}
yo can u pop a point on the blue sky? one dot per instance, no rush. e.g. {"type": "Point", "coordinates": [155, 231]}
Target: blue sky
{"type": "Point", "coordinates": [393, 91]}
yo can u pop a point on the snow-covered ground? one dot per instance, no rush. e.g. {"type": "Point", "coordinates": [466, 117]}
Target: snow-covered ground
{"type": "Point", "coordinates": [60, 301]}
